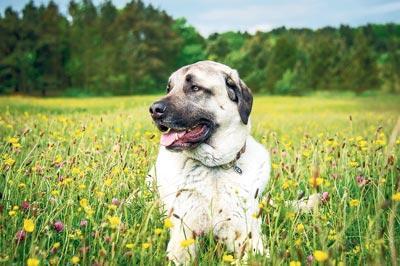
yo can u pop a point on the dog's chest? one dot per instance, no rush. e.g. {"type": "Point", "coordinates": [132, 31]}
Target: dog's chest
{"type": "Point", "coordinates": [217, 186]}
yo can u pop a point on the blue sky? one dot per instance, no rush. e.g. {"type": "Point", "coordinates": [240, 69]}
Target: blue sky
{"type": "Point", "coordinates": [217, 16]}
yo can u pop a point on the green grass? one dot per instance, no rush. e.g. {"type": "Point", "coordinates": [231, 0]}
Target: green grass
{"type": "Point", "coordinates": [69, 158]}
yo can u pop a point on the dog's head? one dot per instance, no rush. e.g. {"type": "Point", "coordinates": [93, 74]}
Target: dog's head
{"type": "Point", "coordinates": [205, 102]}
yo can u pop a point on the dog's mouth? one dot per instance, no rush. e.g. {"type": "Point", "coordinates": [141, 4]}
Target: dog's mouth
{"type": "Point", "coordinates": [184, 138]}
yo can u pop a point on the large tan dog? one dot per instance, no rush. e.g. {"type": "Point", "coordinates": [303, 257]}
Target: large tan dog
{"type": "Point", "coordinates": [209, 171]}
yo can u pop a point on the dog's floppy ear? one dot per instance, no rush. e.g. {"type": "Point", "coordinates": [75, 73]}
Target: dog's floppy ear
{"type": "Point", "coordinates": [240, 93]}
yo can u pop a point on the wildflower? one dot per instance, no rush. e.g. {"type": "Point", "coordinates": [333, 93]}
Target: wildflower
{"type": "Point", "coordinates": [146, 245]}
{"type": "Point", "coordinates": [9, 162]}
{"type": "Point", "coordinates": [12, 140]}
{"type": "Point", "coordinates": [298, 242]}
{"type": "Point", "coordinates": [187, 242]}
{"type": "Point", "coordinates": [361, 181]}
{"type": "Point", "coordinates": [114, 221]}
{"type": "Point", "coordinates": [75, 260]}
{"type": "Point", "coordinates": [320, 255]}
{"type": "Point", "coordinates": [55, 193]}
{"type": "Point", "coordinates": [332, 235]}
{"type": "Point", "coordinates": [295, 263]}
{"type": "Point", "coordinates": [25, 205]}
{"type": "Point", "coordinates": [130, 245]}
{"type": "Point", "coordinates": [12, 213]}
{"type": "Point", "coordinates": [29, 225]}
{"type": "Point", "coordinates": [168, 223]}
{"type": "Point", "coordinates": [20, 236]}
{"type": "Point", "coordinates": [310, 259]}
{"type": "Point", "coordinates": [300, 228]}
{"type": "Point", "coordinates": [100, 194]}
{"type": "Point", "coordinates": [353, 164]}
{"type": "Point", "coordinates": [58, 226]}
{"type": "Point", "coordinates": [158, 231]}
{"type": "Point", "coordinates": [356, 249]}
{"type": "Point", "coordinates": [316, 181]}
{"type": "Point", "coordinates": [325, 197]}
{"type": "Point", "coordinates": [115, 202]}
{"type": "Point", "coordinates": [84, 203]}
{"type": "Point", "coordinates": [354, 202]}
{"type": "Point", "coordinates": [112, 207]}
{"type": "Point", "coordinates": [56, 245]}
{"type": "Point", "coordinates": [21, 185]}
{"type": "Point", "coordinates": [58, 159]}
{"type": "Point", "coordinates": [108, 182]}
{"type": "Point", "coordinates": [83, 223]}
{"type": "Point", "coordinates": [227, 258]}
{"type": "Point", "coordinates": [275, 166]}
{"type": "Point", "coordinates": [32, 262]}
{"type": "Point", "coordinates": [290, 215]}
{"type": "Point", "coordinates": [396, 196]}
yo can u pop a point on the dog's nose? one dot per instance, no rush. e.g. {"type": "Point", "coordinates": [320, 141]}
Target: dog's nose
{"type": "Point", "coordinates": [157, 109]}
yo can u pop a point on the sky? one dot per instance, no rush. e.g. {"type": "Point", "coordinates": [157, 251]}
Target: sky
{"type": "Point", "coordinates": [210, 16]}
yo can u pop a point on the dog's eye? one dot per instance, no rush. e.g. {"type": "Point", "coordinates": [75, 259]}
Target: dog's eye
{"type": "Point", "coordinates": [195, 88]}
{"type": "Point", "coordinates": [168, 89]}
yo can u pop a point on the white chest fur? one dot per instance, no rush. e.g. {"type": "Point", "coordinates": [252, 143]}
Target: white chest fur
{"type": "Point", "coordinates": [203, 199]}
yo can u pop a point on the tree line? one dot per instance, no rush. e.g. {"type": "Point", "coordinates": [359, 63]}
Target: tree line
{"type": "Point", "coordinates": [102, 50]}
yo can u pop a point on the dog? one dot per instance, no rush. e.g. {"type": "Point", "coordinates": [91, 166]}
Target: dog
{"type": "Point", "coordinates": [210, 172]}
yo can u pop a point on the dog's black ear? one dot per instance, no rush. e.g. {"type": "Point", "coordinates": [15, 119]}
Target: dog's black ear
{"type": "Point", "coordinates": [240, 93]}
{"type": "Point", "coordinates": [245, 102]}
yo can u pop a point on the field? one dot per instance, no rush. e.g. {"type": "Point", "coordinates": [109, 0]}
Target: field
{"type": "Point", "coordinates": [73, 191]}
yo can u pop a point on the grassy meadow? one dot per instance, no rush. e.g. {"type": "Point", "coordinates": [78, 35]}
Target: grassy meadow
{"type": "Point", "coordinates": [73, 190]}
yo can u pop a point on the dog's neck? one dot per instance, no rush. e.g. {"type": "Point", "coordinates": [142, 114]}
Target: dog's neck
{"type": "Point", "coordinates": [222, 152]}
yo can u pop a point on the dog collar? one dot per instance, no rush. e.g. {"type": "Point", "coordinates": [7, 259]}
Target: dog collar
{"type": "Point", "coordinates": [233, 164]}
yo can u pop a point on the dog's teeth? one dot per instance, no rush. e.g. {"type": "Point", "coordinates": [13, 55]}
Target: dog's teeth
{"type": "Point", "coordinates": [176, 136]}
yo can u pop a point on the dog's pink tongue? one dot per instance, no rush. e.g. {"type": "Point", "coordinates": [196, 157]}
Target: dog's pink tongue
{"type": "Point", "coordinates": [169, 138]}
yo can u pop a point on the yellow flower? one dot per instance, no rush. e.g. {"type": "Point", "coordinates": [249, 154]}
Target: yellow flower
{"type": "Point", "coordinates": [168, 223]}
{"type": "Point", "coordinates": [9, 161]}
{"type": "Point", "coordinates": [356, 249]}
{"type": "Point", "coordinates": [320, 255]}
{"type": "Point", "coordinates": [158, 231]}
{"type": "Point", "coordinates": [84, 203]}
{"type": "Point", "coordinates": [32, 262]}
{"type": "Point", "coordinates": [55, 193]}
{"type": "Point", "coordinates": [227, 258]}
{"type": "Point", "coordinates": [353, 164]}
{"type": "Point", "coordinates": [396, 196]}
{"type": "Point", "coordinates": [315, 182]}
{"type": "Point", "coordinates": [58, 159]}
{"type": "Point", "coordinates": [146, 245]}
{"type": "Point", "coordinates": [12, 213]}
{"type": "Point", "coordinates": [300, 228]}
{"type": "Point", "coordinates": [295, 263]}
{"type": "Point", "coordinates": [290, 215]}
{"type": "Point", "coordinates": [108, 182]}
{"type": "Point", "coordinates": [298, 242]}
{"type": "Point", "coordinates": [354, 203]}
{"type": "Point", "coordinates": [275, 166]}
{"type": "Point", "coordinates": [100, 194]}
{"type": "Point", "coordinates": [29, 225]}
{"type": "Point", "coordinates": [56, 245]}
{"type": "Point", "coordinates": [187, 242]}
{"type": "Point", "coordinates": [75, 260]}
{"type": "Point", "coordinates": [114, 221]}
{"type": "Point", "coordinates": [130, 245]}
{"type": "Point", "coordinates": [12, 140]}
